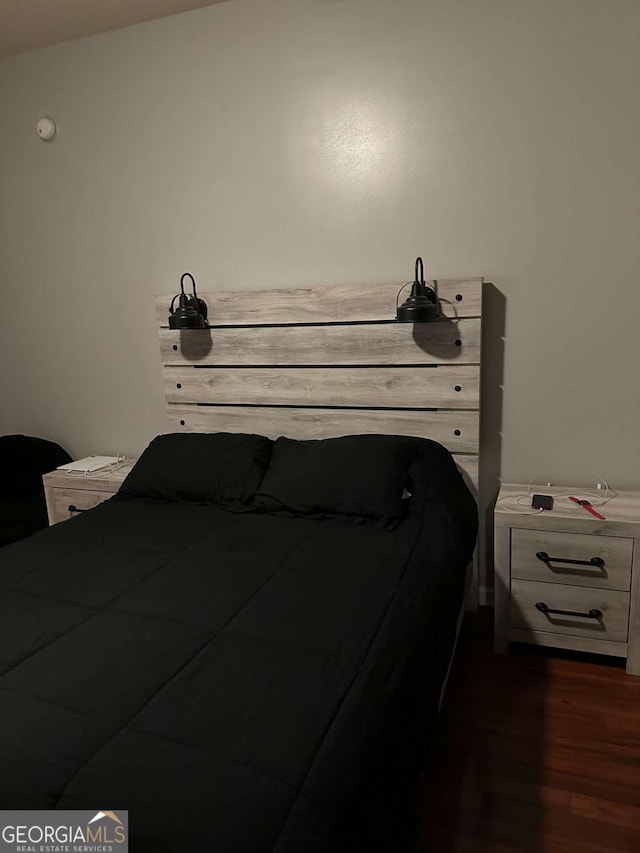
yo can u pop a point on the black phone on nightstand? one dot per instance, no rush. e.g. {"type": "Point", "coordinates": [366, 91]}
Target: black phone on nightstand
{"type": "Point", "coordinates": [542, 502]}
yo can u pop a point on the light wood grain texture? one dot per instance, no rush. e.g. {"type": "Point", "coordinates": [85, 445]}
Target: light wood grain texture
{"type": "Point", "coordinates": [622, 513]}
{"type": "Point", "coordinates": [502, 588]}
{"type": "Point", "coordinates": [108, 481]}
{"type": "Point", "coordinates": [333, 303]}
{"type": "Point", "coordinates": [579, 534]}
{"type": "Point", "coordinates": [614, 605]}
{"type": "Point", "coordinates": [392, 387]}
{"type": "Point", "coordinates": [388, 344]}
{"type": "Point", "coordinates": [567, 641]}
{"type": "Point", "coordinates": [83, 499]}
{"type": "Point", "coordinates": [327, 423]}
{"type": "Point", "coordinates": [615, 551]}
{"type": "Point", "coordinates": [62, 490]}
{"type": "Point", "coordinates": [633, 658]}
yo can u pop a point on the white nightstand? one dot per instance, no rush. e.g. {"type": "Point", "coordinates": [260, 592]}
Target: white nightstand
{"type": "Point", "coordinates": [566, 579]}
{"type": "Point", "coordinates": [67, 495]}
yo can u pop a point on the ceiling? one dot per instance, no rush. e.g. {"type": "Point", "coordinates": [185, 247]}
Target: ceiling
{"type": "Point", "coordinates": [28, 24]}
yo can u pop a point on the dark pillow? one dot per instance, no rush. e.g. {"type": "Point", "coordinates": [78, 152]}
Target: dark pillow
{"type": "Point", "coordinates": [356, 478]}
{"type": "Point", "coordinates": [219, 468]}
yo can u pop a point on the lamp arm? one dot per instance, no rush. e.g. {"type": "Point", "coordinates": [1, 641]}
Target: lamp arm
{"type": "Point", "coordinates": [406, 284]}
{"type": "Point", "coordinates": [422, 305]}
{"type": "Point", "coordinates": [193, 283]}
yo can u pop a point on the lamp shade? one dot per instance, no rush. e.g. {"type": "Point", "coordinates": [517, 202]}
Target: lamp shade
{"type": "Point", "coordinates": [422, 305]}
{"type": "Point", "coordinates": [185, 316]}
{"type": "Point", "coordinates": [191, 312]}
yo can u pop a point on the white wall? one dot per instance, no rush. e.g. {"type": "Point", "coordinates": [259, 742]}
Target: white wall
{"type": "Point", "coordinates": [265, 143]}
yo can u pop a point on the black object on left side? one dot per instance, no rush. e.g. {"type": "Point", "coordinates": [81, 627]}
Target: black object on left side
{"type": "Point", "coordinates": [24, 459]}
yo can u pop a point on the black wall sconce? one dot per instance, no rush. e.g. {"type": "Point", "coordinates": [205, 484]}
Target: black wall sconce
{"type": "Point", "coordinates": [422, 305]}
{"type": "Point", "coordinates": [191, 312]}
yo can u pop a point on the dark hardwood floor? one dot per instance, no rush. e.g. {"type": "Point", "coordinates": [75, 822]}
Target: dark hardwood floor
{"type": "Point", "coordinates": [538, 751]}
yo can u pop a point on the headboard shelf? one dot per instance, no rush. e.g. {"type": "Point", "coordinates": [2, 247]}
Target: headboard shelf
{"type": "Point", "coordinates": [337, 303]}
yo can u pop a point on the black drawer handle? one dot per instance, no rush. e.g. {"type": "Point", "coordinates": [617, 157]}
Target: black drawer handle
{"type": "Point", "coordinates": [544, 608]}
{"type": "Point", "coordinates": [74, 508]}
{"type": "Point", "coordinates": [594, 561]}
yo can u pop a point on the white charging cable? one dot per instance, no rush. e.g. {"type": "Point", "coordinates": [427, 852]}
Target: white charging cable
{"type": "Point", "coordinates": [523, 501]}
{"type": "Point", "coordinates": [102, 471]}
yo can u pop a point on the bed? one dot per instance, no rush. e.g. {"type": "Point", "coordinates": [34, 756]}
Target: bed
{"type": "Point", "coordinates": [245, 647]}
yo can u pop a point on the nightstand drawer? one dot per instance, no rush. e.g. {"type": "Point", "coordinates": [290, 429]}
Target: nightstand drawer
{"type": "Point", "coordinates": [83, 499]}
{"type": "Point", "coordinates": [612, 625]}
{"type": "Point", "coordinates": [611, 556]}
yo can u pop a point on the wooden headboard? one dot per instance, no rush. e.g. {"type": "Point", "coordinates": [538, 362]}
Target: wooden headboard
{"type": "Point", "coordinates": [330, 361]}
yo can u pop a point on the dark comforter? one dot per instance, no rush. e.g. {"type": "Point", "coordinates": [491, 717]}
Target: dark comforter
{"type": "Point", "coordinates": [239, 682]}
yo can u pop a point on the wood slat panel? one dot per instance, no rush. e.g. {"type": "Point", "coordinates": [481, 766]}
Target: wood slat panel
{"type": "Point", "coordinates": [409, 387]}
{"type": "Point", "coordinates": [622, 514]}
{"type": "Point", "coordinates": [333, 303]}
{"type": "Point", "coordinates": [566, 641]}
{"type": "Point", "coordinates": [613, 603]}
{"type": "Point", "coordinates": [326, 423]}
{"type": "Point", "coordinates": [615, 552]}
{"type": "Point", "coordinates": [395, 343]}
